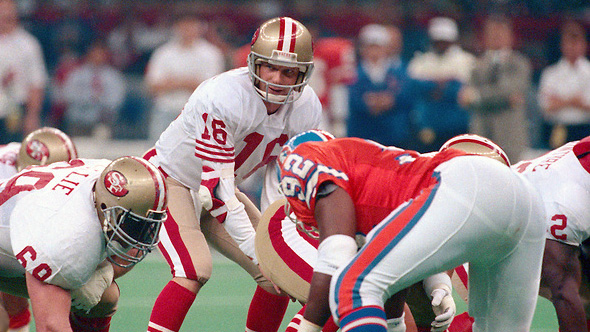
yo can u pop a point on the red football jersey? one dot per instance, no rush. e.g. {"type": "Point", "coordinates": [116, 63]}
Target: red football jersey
{"type": "Point", "coordinates": [335, 63]}
{"type": "Point", "coordinates": [378, 178]}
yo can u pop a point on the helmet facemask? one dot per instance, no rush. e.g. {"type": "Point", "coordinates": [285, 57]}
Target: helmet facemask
{"type": "Point", "coordinates": [130, 198]}
{"type": "Point", "coordinates": [311, 231]}
{"type": "Point", "coordinates": [129, 236]}
{"type": "Point", "coordinates": [294, 91]}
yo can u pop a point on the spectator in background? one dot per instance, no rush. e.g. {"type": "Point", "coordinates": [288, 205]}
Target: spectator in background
{"type": "Point", "coordinates": [334, 68]}
{"type": "Point", "coordinates": [564, 90]}
{"type": "Point", "coordinates": [498, 86]}
{"type": "Point", "coordinates": [442, 72]}
{"type": "Point", "coordinates": [177, 68]}
{"type": "Point", "coordinates": [94, 93]}
{"type": "Point", "coordinates": [379, 101]}
{"type": "Point", "coordinates": [22, 77]}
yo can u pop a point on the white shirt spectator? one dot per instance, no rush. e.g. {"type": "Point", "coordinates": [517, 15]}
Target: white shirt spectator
{"type": "Point", "coordinates": [566, 81]}
{"type": "Point", "coordinates": [454, 63]}
{"type": "Point", "coordinates": [199, 61]}
{"type": "Point", "coordinates": [21, 68]}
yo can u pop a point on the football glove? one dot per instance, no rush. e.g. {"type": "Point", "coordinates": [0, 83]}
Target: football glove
{"type": "Point", "coordinates": [443, 306]}
{"type": "Point", "coordinates": [88, 296]}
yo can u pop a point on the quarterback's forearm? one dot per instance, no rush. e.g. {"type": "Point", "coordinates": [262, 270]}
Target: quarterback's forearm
{"type": "Point", "coordinates": [238, 226]}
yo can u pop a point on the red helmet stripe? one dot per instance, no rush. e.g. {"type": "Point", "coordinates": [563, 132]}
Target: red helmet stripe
{"type": "Point", "coordinates": [293, 37]}
{"type": "Point", "coordinates": [468, 139]}
{"type": "Point", "coordinates": [281, 33]}
{"type": "Point", "coordinates": [160, 184]}
{"type": "Point", "coordinates": [287, 35]}
{"type": "Point", "coordinates": [70, 147]}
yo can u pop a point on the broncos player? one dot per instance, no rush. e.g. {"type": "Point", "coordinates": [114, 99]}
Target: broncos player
{"type": "Point", "coordinates": [287, 255]}
{"type": "Point", "coordinates": [70, 228]}
{"type": "Point", "coordinates": [232, 125]}
{"type": "Point", "coordinates": [40, 147]}
{"type": "Point", "coordinates": [422, 215]}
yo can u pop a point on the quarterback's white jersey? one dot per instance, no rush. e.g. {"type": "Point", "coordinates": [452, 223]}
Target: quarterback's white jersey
{"type": "Point", "coordinates": [49, 223]}
{"type": "Point", "coordinates": [8, 155]}
{"type": "Point", "coordinates": [564, 184]}
{"type": "Point", "coordinates": [225, 125]}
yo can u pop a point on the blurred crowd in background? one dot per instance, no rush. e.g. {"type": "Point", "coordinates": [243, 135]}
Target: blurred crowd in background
{"type": "Point", "coordinates": [404, 73]}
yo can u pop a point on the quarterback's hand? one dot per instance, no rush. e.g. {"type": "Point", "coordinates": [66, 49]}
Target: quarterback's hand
{"type": "Point", "coordinates": [88, 296]}
{"type": "Point", "coordinates": [443, 306]}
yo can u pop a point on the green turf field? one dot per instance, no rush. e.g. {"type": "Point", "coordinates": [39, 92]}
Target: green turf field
{"type": "Point", "coordinates": [222, 304]}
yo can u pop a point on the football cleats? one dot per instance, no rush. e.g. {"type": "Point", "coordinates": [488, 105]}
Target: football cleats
{"type": "Point", "coordinates": [45, 146]}
{"type": "Point", "coordinates": [130, 197]}
{"type": "Point", "coordinates": [475, 144]}
{"type": "Point", "coordinates": [281, 41]}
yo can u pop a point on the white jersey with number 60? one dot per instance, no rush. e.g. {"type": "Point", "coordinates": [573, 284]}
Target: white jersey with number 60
{"type": "Point", "coordinates": [49, 225]}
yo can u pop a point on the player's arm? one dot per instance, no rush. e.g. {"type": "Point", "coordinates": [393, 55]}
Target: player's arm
{"type": "Point", "coordinates": [335, 217]}
{"type": "Point", "coordinates": [562, 274]}
{"type": "Point", "coordinates": [218, 196]}
{"type": "Point", "coordinates": [51, 305]}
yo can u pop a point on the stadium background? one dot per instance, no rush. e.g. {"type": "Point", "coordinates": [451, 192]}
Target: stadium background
{"type": "Point", "coordinates": [72, 24]}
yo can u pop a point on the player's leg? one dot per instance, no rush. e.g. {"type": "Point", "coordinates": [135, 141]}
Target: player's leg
{"type": "Point", "coordinates": [450, 222]}
{"type": "Point", "coordinates": [358, 289]}
{"type": "Point", "coordinates": [513, 281]}
{"type": "Point", "coordinates": [185, 249]}
{"type": "Point", "coordinates": [16, 286]}
{"type": "Point", "coordinates": [4, 319]}
{"type": "Point", "coordinates": [267, 308]}
{"type": "Point", "coordinates": [18, 310]}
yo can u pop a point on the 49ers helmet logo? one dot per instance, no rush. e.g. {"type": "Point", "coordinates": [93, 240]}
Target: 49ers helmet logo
{"type": "Point", "coordinates": [255, 36]}
{"type": "Point", "coordinates": [116, 183]}
{"type": "Point", "coordinates": [37, 150]}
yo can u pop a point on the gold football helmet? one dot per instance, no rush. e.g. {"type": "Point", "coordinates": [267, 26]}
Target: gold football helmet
{"type": "Point", "coordinates": [479, 145]}
{"type": "Point", "coordinates": [45, 146]}
{"type": "Point", "coordinates": [271, 262]}
{"type": "Point", "coordinates": [130, 198]}
{"type": "Point", "coordinates": [281, 41]}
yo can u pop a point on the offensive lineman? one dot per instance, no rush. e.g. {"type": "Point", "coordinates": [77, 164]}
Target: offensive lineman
{"type": "Point", "coordinates": [426, 215]}
{"type": "Point", "coordinates": [561, 178]}
{"type": "Point", "coordinates": [232, 125]}
{"type": "Point", "coordinates": [65, 225]}
{"type": "Point", "coordinates": [42, 146]}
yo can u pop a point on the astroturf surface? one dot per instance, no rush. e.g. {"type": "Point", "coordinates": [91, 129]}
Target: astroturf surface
{"type": "Point", "coordinates": [222, 305]}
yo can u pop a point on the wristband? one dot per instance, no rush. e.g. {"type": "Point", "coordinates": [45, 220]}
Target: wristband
{"type": "Point", "coordinates": [307, 326]}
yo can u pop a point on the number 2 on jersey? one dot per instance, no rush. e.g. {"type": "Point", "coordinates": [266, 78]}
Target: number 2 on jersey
{"type": "Point", "coordinates": [560, 223]}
